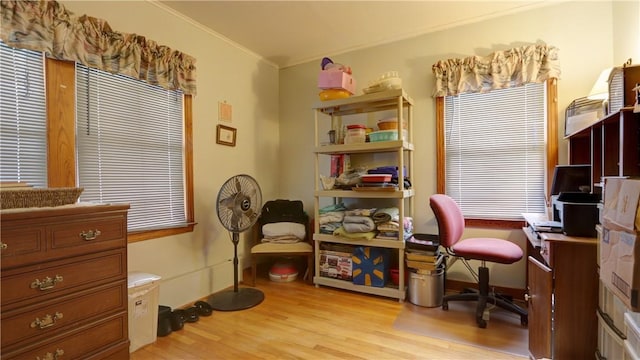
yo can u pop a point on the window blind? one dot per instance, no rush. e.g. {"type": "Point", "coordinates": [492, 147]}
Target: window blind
{"type": "Point", "coordinates": [495, 151]}
{"type": "Point", "coordinates": [130, 147]}
{"type": "Point", "coordinates": [23, 118]}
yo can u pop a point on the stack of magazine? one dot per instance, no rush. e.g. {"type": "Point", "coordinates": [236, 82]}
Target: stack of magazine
{"type": "Point", "coordinates": [422, 254]}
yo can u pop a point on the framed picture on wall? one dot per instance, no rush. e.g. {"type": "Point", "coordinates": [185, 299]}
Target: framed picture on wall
{"type": "Point", "coordinates": [225, 135]}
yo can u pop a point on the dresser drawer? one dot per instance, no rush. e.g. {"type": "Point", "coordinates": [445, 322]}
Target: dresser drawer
{"type": "Point", "coordinates": [88, 234]}
{"type": "Point", "coordinates": [36, 283]}
{"type": "Point", "coordinates": [29, 242]}
{"type": "Point", "coordinates": [43, 320]}
{"type": "Point", "coordinates": [82, 342]}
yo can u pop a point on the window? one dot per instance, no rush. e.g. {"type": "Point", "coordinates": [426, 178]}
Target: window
{"type": "Point", "coordinates": [23, 126]}
{"type": "Point", "coordinates": [144, 127]}
{"type": "Point", "coordinates": [496, 150]}
{"type": "Point", "coordinates": [130, 147]}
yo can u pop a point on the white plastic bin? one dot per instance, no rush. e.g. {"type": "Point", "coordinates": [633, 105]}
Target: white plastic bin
{"type": "Point", "coordinates": [143, 309]}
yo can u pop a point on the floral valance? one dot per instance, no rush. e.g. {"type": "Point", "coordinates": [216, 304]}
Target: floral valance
{"type": "Point", "coordinates": [499, 70]}
{"type": "Point", "coordinates": [47, 26]}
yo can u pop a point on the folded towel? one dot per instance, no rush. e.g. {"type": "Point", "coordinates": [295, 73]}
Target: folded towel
{"type": "Point", "coordinates": [388, 226]}
{"type": "Point", "coordinates": [360, 212]}
{"type": "Point", "coordinates": [331, 216]}
{"type": "Point", "coordinates": [393, 212]}
{"type": "Point", "coordinates": [358, 224]}
{"type": "Point", "coordinates": [329, 228]}
{"type": "Point", "coordinates": [363, 235]}
{"type": "Point", "coordinates": [279, 229]}
{"type": "Point", "coordinates": [330, 208]}
{"type": "Point", "coordinates": [381, 217]}
{"type": "Point", "coordinates": [286, 239]}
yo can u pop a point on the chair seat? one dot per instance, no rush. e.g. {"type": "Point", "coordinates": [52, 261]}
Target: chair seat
{"type": "Point", "coordinates": [488, 249]}
{"type": "Point", "coordinates": [265, 248]}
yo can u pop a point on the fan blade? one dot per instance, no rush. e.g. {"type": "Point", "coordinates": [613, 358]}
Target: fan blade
{"type": "Point", "coordinates": [252, 192]}
{"type": "Point", "coordinates": [235, 222]}
{"type": "Point", "coordinates": [229, 202]}
{"type": "Point", "coordinates": [252, 215]}
{"type": "Point", "coordinates": [238, 186]}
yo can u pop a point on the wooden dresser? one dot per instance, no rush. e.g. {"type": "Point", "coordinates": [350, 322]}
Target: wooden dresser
{"type": "Point", "coordinates": [63, 284]}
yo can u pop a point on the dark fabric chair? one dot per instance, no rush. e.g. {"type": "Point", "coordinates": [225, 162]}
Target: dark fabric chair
{"type": "Point", "coordinates": [279, 211]}
{"type": "Point", "coordinates": [451, 225]}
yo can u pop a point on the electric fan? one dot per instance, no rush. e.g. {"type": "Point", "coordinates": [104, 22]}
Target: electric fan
{"type": "Point", "coordinates": [238, 205]}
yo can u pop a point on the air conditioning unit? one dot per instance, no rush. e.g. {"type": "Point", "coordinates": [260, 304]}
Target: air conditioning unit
{"type": "Point", "coordinates": [582, 113]}
{"type": "Point", "coordinates": [622, 82]}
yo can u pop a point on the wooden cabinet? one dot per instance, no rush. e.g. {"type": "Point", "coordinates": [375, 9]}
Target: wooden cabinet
{"type": "Point", "coordinates": [334, 114]}
{"type": "Point", "coordinates": [64, 283]}
{"type": "Point", "coordinates": [611, 146]}
{"type": "Point", "coordinates": [562, 293]}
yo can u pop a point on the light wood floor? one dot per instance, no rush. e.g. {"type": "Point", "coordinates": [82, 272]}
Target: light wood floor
{"type": "Point", "coordinates": [300, 321]}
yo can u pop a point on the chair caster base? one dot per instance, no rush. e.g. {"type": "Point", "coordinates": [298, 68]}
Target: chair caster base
{"type": "Point", "coordinates": [481, 323]}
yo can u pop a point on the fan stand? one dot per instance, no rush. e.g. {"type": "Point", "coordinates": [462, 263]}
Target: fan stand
{"type": "Point", "coordinates": [239, 298]}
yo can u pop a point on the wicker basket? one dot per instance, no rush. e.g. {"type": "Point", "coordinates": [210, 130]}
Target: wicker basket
{"type": "Point", "coordinates": [34, 197]}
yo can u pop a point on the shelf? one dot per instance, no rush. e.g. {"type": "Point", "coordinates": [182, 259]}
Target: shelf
{"type": "Point", "coordinates": [398, 153]}
{"type": "Point", "coordinates": [380, 101]}
{"type": "Point", "coordinates": [611, 118]}
{"type": "Point", "coordinates": [383, 243]}
{"type": "Point", "coordinates": [347, 285]}
{"type": "Point", "coordinates": [377, 146]}
{"type": "Point", "coordinates": [406, 193]}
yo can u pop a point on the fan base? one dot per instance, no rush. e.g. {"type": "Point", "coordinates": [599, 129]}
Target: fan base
{"type": "Point", "coordinates": [230, 300]}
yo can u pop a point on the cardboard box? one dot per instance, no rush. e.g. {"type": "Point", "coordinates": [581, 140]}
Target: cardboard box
{"type": "Point", "coordinates": [336, 264]}
{"type": "Point", "coordinates": [370, 266]}
{"type": "Point", "coordinates": [619, 247]}
{"type": "Point", "coordinates": [619, 266]}
{"type": "Point", "coordinates": [328, 79]}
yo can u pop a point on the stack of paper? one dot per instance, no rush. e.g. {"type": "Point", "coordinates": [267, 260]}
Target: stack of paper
{"type": "Point", "coordinates": [423, 260]}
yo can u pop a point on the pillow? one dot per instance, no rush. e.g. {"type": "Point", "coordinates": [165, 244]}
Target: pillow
{"type": "Point", "coordinates": [284, 229]}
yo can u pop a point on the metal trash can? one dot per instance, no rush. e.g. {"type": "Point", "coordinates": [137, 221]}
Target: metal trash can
{"type": "Point", "coordinates": [426, 289]}
{"type": "Point", "coordinates": [143, 309]}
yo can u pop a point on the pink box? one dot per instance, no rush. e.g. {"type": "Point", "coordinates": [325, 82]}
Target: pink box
{"type": "Point", "coordinates": [336, 80]}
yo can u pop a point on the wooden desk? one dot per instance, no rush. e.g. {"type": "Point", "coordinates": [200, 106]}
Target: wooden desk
{"type": "Point", "coordinates": [562, 287]}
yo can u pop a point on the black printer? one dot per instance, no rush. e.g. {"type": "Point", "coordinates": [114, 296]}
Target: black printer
{"type": "Point", "coordinates": [577, 212]}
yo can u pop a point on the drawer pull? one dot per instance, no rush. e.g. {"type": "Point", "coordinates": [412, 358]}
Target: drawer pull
{"type": "Point", "coordinates": [47, 283]}
{"type": "Point", "coordinates": [90, 235]}
{"type": "Point", "coordinates": [3, 246]}
{"type": "Point", "coordinates": [46, 321]}
{"type": "Point", "coordinates": [50, 356]}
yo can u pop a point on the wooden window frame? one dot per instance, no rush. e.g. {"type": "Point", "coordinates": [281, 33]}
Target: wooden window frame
{"type": "Point", "coordinates": [552, 154]}
{"type": "Point", "coordinates": [61, 139]}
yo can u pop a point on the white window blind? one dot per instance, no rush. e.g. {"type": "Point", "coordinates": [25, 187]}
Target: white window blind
{"type": "Point", "coordinates": [23, 118]}
{"type": "Point", "coordinates": [496, 151]}
{"type": "Point", "coordinates": [130, 147]}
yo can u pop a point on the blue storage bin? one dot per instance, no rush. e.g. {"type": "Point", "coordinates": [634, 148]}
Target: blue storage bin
{"type": "Point", "coordinates": [370, 266]}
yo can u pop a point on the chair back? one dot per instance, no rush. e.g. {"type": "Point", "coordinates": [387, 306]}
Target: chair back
{"type": "Point", "coordinates": [449, 217]}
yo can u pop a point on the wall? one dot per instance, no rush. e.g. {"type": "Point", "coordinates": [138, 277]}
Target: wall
{"type": "Point", "coordinates": [272, 112]}
{"type": "Point", "coordinates": [583, 32]}
{"type": "Point", "coordinates": [197, 264]}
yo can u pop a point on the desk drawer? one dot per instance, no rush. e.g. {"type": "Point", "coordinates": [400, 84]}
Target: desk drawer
{"type": "Point", "coordinates": [43, 320]}
{"type": "Point", "coordinates": [36, 283]}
